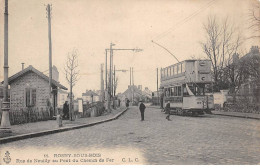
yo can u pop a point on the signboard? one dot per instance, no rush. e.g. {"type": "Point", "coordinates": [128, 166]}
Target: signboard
{"type": "Point", "coordinates": [80, 103]}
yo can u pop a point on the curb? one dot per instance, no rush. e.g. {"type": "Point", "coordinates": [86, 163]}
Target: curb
{"type": "Point", "coordinates": [47, 132]}
{"type": "Point", "coordinates": [229, 115]}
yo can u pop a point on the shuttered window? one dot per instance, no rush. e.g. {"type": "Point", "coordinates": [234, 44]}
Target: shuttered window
{"type": "Point", "coordinates": [30, 97]}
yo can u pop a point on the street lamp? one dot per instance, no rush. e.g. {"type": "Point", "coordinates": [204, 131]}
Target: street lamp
{"type": "Point", "coordinates": [5, 122]}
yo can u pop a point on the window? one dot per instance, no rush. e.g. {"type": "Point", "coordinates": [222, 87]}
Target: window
{"type": "Point", "coordinates": [30, 97]}
{"type": "Point", "coordinates": [172, 91]}
{"type": "Point", "coordinates": [175, 91]}
{"type": "Point", "coordinates": [172, 70]}
{"type": "Point", "coordinates": [179, 90]}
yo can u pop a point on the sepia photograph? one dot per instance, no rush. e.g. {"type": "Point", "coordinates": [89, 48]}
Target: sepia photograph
{"type": "Point", "coordinates": [129, 82]}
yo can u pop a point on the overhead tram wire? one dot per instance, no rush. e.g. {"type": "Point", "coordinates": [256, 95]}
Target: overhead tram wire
{"type": "Point", "coordinates": [185, 20]}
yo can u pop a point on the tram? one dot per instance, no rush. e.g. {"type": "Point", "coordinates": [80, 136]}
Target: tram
{"type": "Point", "coordinates": [184, 86]}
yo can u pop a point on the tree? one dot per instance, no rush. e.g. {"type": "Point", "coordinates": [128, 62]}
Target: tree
{"type": "Point", "coordinates": [222, 41]}
{"type": "Point", "coordinates": [254, 19]}
{"type": "Point", "coordinates": [72, 75]}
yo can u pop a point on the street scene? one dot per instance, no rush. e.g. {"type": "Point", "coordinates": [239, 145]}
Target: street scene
{"type": "Point", "coordinates": [129, 82]}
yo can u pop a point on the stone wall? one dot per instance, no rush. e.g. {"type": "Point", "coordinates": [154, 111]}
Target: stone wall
{"type": "Point", "coordinates": [29, 80]}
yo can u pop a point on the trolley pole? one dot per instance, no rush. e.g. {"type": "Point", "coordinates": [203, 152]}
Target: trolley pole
{"type": "Point", "coordinates": [5, 122]}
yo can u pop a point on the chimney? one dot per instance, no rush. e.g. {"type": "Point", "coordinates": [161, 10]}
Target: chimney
{"type": "Point", "coordinates": [22, 66]}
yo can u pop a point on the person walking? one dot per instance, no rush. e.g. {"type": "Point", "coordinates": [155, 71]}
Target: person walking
{"type": "Point", "coordinates": [167, 111]}
{"type": "Point", "coordinates": [142, 108]}
{"type": "Point", "coordinates": [127, 103]}
{"type": "Point", "coordinates": [66, 110]}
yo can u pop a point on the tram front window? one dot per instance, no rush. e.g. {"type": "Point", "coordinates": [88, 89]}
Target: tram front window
{"type": "Point", "coordinates": [196, 89]}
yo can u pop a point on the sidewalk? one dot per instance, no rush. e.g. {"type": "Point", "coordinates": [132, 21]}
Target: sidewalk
{"type": "Point", "coordinates": [231, 114]}
{"type": "Point", "coordinates": [40, 128]}
{"type": "Point", "coordinates": [237, 114]}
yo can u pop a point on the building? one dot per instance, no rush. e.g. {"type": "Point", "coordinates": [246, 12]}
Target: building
{"type": "Point", "coordinates": [147, 93]}
{"type": "Point", "coordinates": [29, 88]}
{"type": "Point", "coordinates": [90, 96]}
{"type": "Point", "coordinates": [135, 93]}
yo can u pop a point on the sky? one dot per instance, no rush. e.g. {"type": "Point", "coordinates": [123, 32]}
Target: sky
{"type": "Point", "coordinates": [90, 26]}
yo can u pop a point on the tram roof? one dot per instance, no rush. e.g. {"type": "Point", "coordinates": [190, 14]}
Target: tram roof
{"type": "Point", "coordinates": [188, 60]}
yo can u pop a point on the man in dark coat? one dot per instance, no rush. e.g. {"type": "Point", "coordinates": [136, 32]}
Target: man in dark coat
{"type": "Point", "coordinates": [66, 110]}
{"type": "Point", "coordinates": [167, 111]}
{"type": "Point", "coordinates": [142, 108]}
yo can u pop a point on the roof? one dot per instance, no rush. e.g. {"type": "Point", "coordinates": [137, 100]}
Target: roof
{"type": "Point", "coordinates": [32, 69]}
{"type": "Point", "coordinates": [89, 93]}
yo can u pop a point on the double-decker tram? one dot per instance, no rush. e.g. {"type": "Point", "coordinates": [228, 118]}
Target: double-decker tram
{"type": "Point", "coordinates": [185, 86]}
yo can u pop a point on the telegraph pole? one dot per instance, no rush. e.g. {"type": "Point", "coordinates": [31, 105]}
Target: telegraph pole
{"type": "Point", "coordinates": [114, 80]}
{"type": "Point", "coordinates": [48, 8]}
{"type": "Point", "coordinates": [5, 122]}
{"type": "Point", "coordinates": [133, 86]}
{"type": "Point", "coordinates": [102, 85]}
{"type": "Point", "coordinates": [106, 68]}
{"type": "Point", "coordinates": [130, 76]}
{"type": "Point", "coordinates": [157, 86]}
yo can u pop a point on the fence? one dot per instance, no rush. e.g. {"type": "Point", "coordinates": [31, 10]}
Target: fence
{"type": "Point", "coordinates": [87, 108]}
{"type": "Point", "coordinates": [27, 115]}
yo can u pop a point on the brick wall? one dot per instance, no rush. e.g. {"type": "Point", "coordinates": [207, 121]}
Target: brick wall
{"type": "Point", "coordinates": [30, 79]}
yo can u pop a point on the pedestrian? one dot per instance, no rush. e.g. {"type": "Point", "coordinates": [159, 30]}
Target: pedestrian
{"type": "Point", "coordinates": [167, 111]}
{"type": "Point", "coordinates": [66, 110]}
{"type": "Point", "coordinates": [142, 108]}
{"type": "Point", "coordinates": [127, 103]}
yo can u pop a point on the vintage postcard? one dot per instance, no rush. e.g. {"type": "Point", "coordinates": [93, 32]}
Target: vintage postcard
{"type": "Point", "coordinates": [129, 82]}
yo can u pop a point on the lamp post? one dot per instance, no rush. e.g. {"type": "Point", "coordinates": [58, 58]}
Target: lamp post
{"type": "Point", "coordinates": [5, 122]}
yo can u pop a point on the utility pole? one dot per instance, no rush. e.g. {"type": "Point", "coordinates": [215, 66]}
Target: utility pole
{"type": "Point", "coordinates": [106, 68]}
{"type": "Point", "coordinates": [114, 80]}
{"type": "Point", "coordinates": [133, 86]}
{"type": "Point", "coordinates": [157, 86]}
{"type": "Point", "coordinates": [5, 122]}
{"type": "Point", "coordinates": [48, 8]}
{"type": "Point", "coordinates": [102, 85]}
{"type": "Point", "coordinates": [130, 76]}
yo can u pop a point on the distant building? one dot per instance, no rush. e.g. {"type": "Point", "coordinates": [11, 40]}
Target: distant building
{"type": "Point", "coordinates": [30, 88]}
{"type": "Point", "coordinates": [147, 93]}
{"type": "Point", "coordinates": [135, 93]}
{"type": "Point", "coordinates": [90, 96]}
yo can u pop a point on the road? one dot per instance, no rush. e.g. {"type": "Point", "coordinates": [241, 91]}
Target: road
{"type": "Point", "coordinates": [208, 139]}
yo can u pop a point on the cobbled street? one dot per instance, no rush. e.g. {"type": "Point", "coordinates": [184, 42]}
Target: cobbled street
{"type": "Point", "coordinates": [209, 139]}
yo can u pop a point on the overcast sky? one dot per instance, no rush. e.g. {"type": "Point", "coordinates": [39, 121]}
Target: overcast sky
{"type": "Point", "coordinates": [91, 25]}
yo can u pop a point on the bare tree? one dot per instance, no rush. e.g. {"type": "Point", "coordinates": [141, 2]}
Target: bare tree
{"type": "Point", "coordinates": [72, 75]}
{"type": "Point", "coordinates": [254, 19]}
{"type": "Point", "coordinates": [222, 41]}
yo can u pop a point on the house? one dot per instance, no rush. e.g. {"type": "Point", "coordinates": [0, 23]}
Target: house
{"type": "Point", "coordinates": [29, 88]}
{"type": "Point", "coordinates": [132, 93]}
{"type": "Point", "coordinates": [89, 97]}
{"type": "Point", "coordinates": [147, 94]}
